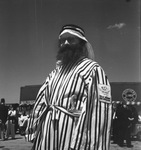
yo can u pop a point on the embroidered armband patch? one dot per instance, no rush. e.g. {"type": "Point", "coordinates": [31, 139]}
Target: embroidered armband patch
{"type": "Point", "coordinates": [104, 93]}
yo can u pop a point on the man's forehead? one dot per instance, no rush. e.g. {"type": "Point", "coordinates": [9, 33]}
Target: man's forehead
{"type": "Point", "coordinates": [68, 35]}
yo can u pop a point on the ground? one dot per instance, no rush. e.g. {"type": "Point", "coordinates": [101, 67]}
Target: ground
{"type": "Point", "coordinates": [19, 143]}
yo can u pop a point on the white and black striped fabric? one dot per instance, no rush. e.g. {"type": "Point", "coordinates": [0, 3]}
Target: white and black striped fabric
{"type": "Point", "coordinates": [74, 30]}
{"type": "Point", "coordinates": [60, 121]}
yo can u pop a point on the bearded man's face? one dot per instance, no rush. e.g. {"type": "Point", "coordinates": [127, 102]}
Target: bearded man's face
{"type": "Point", "coordinates": [70, 49]}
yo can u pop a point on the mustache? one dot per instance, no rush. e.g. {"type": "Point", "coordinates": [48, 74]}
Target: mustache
{"type": "Point", "coordinates": [69, 53]}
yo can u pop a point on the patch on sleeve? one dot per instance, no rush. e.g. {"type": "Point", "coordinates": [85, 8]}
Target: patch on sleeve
{"type": "Point", "coordinates": [104, 93]}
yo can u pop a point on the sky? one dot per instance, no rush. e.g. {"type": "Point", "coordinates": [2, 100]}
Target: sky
{"type": "Point", "coordinates": [29, 32]}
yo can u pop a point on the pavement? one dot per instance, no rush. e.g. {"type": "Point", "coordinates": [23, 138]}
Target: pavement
{"type": "Point", "coordinates": [19, 143]}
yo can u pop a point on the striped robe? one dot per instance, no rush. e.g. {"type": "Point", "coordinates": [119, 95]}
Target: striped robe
{"type": "Point", "coordinates": [73, 109]}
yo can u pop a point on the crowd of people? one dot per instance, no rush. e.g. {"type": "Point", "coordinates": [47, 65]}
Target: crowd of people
{"type": "Point", "coordinates": [125, 118]}
{"type": "Point", "coordinates": [11, 121]}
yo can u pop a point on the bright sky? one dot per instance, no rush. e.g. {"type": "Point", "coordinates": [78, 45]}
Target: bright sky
{"type": "Point", "coordinates": [29, 33]}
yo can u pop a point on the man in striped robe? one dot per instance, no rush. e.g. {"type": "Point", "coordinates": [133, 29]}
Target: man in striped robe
{"type": "Point", "coordinates": [73, 109]}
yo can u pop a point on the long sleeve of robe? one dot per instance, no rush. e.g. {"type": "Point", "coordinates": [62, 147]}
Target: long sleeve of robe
{"type": "Point", "coordinates": [73, 109]}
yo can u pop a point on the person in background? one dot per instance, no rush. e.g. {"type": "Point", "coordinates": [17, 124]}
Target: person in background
{"type": "Point", "coordinates": [124, 123]}
{"type": "Point", "coordinates": [17, 119]}
{"type": "Point", "coordinates": [73, 109]}
{"type": "Point", "coordinates": [23, 119]}
{"type": "Point", "coordinates": [121, 124]}
{"type": "Point", "coordinates": [134, 115]}
{"type": "Point", "coordinates": [132, 119]}
{"type": "Point", "coordinates": [11, 122]}
{"type": "Point", "coordinates": [3, 118]}
{"type": "Point", "coordinates": [115, 124]}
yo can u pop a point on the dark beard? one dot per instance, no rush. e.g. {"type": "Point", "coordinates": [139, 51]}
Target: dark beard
{"type": "Point", "coordinates": [70, 53]}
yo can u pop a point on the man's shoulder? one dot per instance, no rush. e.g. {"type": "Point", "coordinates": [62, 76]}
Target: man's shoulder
{"type": "Point", "coordinates": [89, 64]}
{"type": "Point", "coordinates": [90, 61]}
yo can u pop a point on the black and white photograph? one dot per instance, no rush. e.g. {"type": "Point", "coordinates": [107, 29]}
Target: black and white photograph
{"type": "Point", "coordinates": [70, 75]}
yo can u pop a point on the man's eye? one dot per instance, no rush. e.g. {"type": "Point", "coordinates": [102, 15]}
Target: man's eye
{"type": "Point", "coordinates": [62, 41]}
{"type": "Point", "coordinates": [71, 40]}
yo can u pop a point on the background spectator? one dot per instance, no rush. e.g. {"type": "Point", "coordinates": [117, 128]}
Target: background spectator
{"type": "Point", "coordinates": [3, 118]}
{"type": "Point", "coordinates": [11, 122]}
